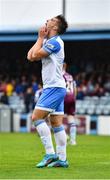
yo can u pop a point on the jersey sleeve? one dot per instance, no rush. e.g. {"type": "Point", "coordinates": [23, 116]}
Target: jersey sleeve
{"type": "Point", "coordinates": [52, 46]}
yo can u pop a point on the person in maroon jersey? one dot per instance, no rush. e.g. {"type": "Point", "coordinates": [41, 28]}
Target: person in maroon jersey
{"type": "Point", "coordinates": [69, 104]}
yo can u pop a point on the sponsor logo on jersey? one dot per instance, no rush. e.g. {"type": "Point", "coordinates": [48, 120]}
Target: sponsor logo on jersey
{"type": "Point", "coordinates": [50, 46]}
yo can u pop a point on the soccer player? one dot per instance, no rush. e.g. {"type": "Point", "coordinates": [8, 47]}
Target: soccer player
{"type": "Point", "coordinates": [69, 104]}
{"type": "Point", "coordinates": [50, 49]}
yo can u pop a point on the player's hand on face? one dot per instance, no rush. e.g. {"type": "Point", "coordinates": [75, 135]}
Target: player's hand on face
{"type": "Point", "coordinates": [43, 32]}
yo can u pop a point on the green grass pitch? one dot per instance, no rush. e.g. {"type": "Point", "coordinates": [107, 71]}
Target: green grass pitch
{"type": "Point", "coordinates": [19, 152]}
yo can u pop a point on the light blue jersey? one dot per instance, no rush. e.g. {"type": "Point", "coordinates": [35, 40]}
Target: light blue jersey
{"type": "Point", "coordinates": [54, 87]}
{"type": "Point", "coordinates": [53, 64]}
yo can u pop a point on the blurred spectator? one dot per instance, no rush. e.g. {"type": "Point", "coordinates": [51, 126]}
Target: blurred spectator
{"type": "Point", "coordinates": [24, 83]}
{"type": "Point", "coordinates": [80, 93]}
{"type": "Point", "coordinates": [34, 83]}
{"type": "Point", "coordinates": [29, 99]}
{"type": "Point", "coordinates": [90, 87]}
{"type": "Point", "coordinates": [2, 86]}
{"type": "Point", "coordinates": [4, 98]}
{"type": "Point", "coordinates": [107, 84]}
{"type": "Point", "coordinates": [18, 88]}
{"type": "Point", "coordinates": [9, 88]}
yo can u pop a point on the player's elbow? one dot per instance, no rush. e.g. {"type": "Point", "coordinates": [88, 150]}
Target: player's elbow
{"type": "Point", "coordinates": [36, 56]}
{"type": "Point", "coordinates": [33, 57]}
{"type": "Point", "coordinates": [29, 57]}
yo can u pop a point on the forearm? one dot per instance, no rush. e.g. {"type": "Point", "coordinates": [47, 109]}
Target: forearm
{"type": "Point", "coordinates": [35, 48]}
{"type": "Point", "coordinates": [38, 45]}
{"type": "Point", "coordinates": [36, 53]}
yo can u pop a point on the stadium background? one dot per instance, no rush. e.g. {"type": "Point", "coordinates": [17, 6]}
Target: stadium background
{"type": "Point", "coordinates": [87, 44]}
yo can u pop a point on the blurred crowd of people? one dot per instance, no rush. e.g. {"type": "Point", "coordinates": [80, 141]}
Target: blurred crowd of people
{"type": "Point", "coordinates": [91, 79]}
{"type": "Point", "coordinates": [90, 82]}
{"type": "Point", "coordinates": [22, 87]}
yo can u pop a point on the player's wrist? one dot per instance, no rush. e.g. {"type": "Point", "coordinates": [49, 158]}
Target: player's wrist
{"type": "Point", "coordinates": [41, 38]}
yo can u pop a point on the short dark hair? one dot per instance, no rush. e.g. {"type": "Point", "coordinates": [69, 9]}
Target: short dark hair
{"type": "Point", "coordinates": [63, 25]}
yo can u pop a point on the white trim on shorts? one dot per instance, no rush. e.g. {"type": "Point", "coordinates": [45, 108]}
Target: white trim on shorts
{"type": "Point", "coordinates": [57, 113]}
{"type": "Point", "coordinates": [43, 108]}
{"type": "Point", "coordinates": [52, 112]}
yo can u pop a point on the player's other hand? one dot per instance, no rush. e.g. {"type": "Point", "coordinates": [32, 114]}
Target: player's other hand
{"type": "Point", "coordinates": [43, 32]}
